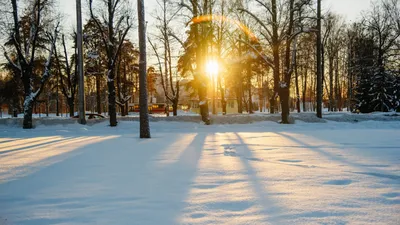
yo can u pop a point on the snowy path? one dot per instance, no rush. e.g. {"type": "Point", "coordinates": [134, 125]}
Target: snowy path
{"type": "Point", "coordinates": [189, 174]}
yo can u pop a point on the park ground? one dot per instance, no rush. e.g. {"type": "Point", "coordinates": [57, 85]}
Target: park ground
{"type": "Point", "coordinates": [257, 173]}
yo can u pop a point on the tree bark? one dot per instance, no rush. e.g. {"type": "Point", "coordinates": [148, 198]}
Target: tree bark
{"type": "Point", "coordinates": [276, 54]}
{"type": "Point", "coordinates": [250, 105]}
{"type": "Point", "coordinates": [222, 91]}
{"type": "Point", "coordinates": [337, 100]}
{"type": "Point", "coordinates": [71, 106]}
{"type": "Point", "coordinates": [305, 89]}
{"type": "Point", "coordinates": [112, 112]}
{"type": "Point", "coordinates": [98, 94]}
{"type": "Point", "coordinates": [331, 58]}
{"type": "Point", "coordinates": [175, 107]}
{"type": "Point", "coordinates": [28, 102]}
{"type": "Point", "coordinates": [285, 85]}
{"type": "Point", "coordinates": [28, 108]}
{"type": "Point", "coordinates": [319, 62]}
{"type": "Point", "coordinates": [297, 89]}
{"type": "Point", "coordinates": [144, 115]}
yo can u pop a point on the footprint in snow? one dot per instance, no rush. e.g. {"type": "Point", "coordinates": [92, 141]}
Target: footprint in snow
{"type": "Point", "coordinates": [339, 182]}
{"type": "Point", "coordinates": [229, 151]}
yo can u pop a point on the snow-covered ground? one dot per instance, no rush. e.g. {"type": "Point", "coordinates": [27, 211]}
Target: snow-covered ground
{"type": "Point", "coordinates": [259, 173]}
{"type": "Point", "coordinates": [309, 117]}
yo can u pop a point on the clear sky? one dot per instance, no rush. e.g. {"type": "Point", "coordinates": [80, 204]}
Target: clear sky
{"type": "Point", "coordinates": [350, 9]}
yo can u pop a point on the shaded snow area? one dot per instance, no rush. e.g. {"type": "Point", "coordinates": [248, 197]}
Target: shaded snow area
{"type": "Point", "coordinates": [260, 173]}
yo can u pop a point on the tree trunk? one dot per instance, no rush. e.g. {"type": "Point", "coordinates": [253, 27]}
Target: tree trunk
{"type": "Point", "coordinates": [250, 108]}
{"type": "Point", "coordinates": [222, 91]}
{"type": "Point", "coordinates": [125, 91]}
{"type": "Point", "coordinates": [98, 94]}
{"type": "Point", "coordinates": [239, 90]}
{"type": "Point", "coordinates": [47, 106]}
{"type": "Point", "coordinates": [239, 98]}
{"type": "Point", "coordinates": [119, 91]}
{"type": "Point", "coordinates": [305, 74]}
{"type": "Point", "coordinates": [284, 95]}
{"type": "Point", "coordinates": [144, 115]}
{"type": "Point", "coordinates": [123, 111]}
{"type": "Point", "coordinates": [297, 91]}
{"type": "Point", "coordinates": [61, 106]}
{"type": "Point", "coordinates": [275, 53]}
{"type": "Point", "coordinates": [28, 101]}
{"type": "Point", "coordinates": [337, 100]}
{"type": "Point", "coordinates": [350, 89]}
{"type": "Point", "coordinates": [28, 108]}
{"type": "Point", "coordinates": [285, 85]}
{"type": "Point", "coordinates": [223, 105]}
{"type": "Point", "coordinates": [175, 107]}
{"type": "Point", "coordinates": [330, 81]}
{"type": "Point", "coordinates": [319, 62]}
{"type": "Point", "coordinates": [261, 97]}
{"type": "Point", "coordinates": [71, 107]}
{"type": "Point", "coordinates": [296, 74]}
{"type": "Point", "coordinates": [204, 104]}
{"type": "Point", "coordinates": [57, 106]}
{"type": "Point", "coordinates": [112, 112]}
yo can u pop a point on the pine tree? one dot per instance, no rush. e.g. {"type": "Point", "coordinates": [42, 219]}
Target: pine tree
{"type": "Point", "coordinates": [362, 64]}
{"type": "Point", "coordinates": [382, 91]}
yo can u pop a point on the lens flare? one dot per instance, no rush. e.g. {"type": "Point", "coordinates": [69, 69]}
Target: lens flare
{"type": "Point", "coordinates": [241, 26]}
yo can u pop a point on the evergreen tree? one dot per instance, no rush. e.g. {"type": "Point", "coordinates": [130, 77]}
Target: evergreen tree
{"type": "Point", "coordinates": [362, 65]}
{"type": "Point", "coordinates": [382, 91]}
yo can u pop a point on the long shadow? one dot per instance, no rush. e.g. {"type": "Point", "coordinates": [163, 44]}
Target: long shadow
{"type": "Point", "coordinates": [328, 155]}
{"type": "Point", "coordinates": [112, 180]}
{"type": "Point", "coordinates": [269, 205]}
{"type": "Point", "coordinates": [6, 141]}
{"type": "Point", "coordinates": [176, 181]}
{"type": "Point", "coordinates": [25, 195]}
{"type": "Point", "coordinates": [35, 145]}
{"type": "Point", "coordinates": [42, 158]}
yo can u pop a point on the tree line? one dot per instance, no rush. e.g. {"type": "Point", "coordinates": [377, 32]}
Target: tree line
{"type": "Point", "coordinates": [283, 51]}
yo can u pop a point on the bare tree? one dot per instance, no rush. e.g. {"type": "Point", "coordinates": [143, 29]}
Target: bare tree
{"type": "Point", "coordinates": [279, 31]}
{"type": "Point", "coordinates": [66, 71]}
{"type": "Point", "coordinates": [26, 49]}
{"type": "Point", "coordinates": [170, 86]}
{"type": "Point", "coordinates": [117, 20]}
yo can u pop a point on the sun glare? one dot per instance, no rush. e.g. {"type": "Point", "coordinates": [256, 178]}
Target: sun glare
{"type": "Point", "coordinates": [212, 67]}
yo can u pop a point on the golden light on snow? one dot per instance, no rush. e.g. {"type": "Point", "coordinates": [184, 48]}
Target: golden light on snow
{"type": "Point", "coordinates": [212, 67]}
{"type": "Point", "coordinates": [21, 157]}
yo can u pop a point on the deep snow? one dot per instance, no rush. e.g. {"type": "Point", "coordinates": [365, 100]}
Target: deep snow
{"type": "Point", "coordinates": [260, 173]}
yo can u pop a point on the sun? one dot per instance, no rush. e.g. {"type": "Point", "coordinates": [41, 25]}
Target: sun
{"type": "Point", "coordinates": [212, 67]}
